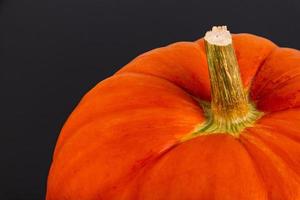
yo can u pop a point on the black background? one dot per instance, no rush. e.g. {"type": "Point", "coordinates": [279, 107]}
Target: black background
{"type": "Point", "coordinates": [54, 51]}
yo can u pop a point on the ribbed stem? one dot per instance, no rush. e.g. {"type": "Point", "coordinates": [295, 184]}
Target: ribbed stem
{"type": "Point", "coordinates": [230, 110]}
{"type": "Point", "coordinates": [229, 102]}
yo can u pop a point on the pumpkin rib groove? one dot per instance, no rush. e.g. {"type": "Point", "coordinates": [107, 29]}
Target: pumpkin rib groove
{"type": "Point", "coordinates": [284, 186]}
{"type": "Point", "coordinates": [259, 69]}
{"type": "Point", "coordinates": [260, 65]}
{"type": "Point", "coordinates": [273, 156]}
{"type": "Point", "coordinates": [283, 76]}
{"type": "Point", "coordinates": [132, 177]}
{"type": "Point", "coordinates": [280, 151]}
{"type": "Point", "coordinates": [276, 86]}
{"type": "Point", "coordinates": [129, 174]}
{"type": "Point", "coordinates": [271, 127]}
{"type": "Point", "coordinates": [277, 83]}
{"type": "Point", "coordinates": [94, 146]}
{"type": "Point", "coordinates": [256, 167]}
{"type": "Point", "coordinates": [278, 132]}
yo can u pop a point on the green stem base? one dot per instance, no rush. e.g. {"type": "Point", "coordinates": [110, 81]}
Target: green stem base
{"type": "Point", "coordinates": [217, 126]}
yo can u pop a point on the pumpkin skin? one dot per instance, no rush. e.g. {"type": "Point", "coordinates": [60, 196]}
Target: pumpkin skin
{"type": "Point", "coordinates": [122, 142]}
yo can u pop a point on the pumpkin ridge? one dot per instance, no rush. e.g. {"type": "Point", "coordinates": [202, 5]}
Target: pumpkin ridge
{"type": "Point", "coordinates": [96, 120]}
{"type": "Point", "coordinates": [170, 45]}
{"type": "Point", "coordinates": [155, 76]}
{"type": "Point", "coordinates": [94, 146]}
{"type": "Point", "coordinates": [210, 178]}
{"type": "Point", "coordinates": [81, 103]}
{"type": "Point", "coordinates": [182, 63]}
{"type": "Point", "coordinates": [133, 175]}
{"type": "Point", "coordinates": [86, 124]}
{"type": "Point", "coordinates": [181, 102]}
{"type": "Point", "coordinates": [146, 164]}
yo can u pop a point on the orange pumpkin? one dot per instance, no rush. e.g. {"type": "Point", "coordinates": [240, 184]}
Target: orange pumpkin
{"type": "Point", "coordinates": [135, 136]}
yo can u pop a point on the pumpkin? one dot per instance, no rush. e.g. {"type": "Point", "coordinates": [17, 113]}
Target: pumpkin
{"type": "Point", "coordinates": [218, 118]}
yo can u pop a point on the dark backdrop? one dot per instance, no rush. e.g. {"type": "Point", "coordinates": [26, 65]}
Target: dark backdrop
{"type": "Point", "coordinates": [54, 51]}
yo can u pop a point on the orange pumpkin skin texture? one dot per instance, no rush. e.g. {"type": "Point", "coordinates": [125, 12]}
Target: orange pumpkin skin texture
{"type": "Point", "coordinates": [123, 140]}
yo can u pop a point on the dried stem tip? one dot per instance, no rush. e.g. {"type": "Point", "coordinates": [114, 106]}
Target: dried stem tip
{"type": "Point", "coordinates": [219, 35]}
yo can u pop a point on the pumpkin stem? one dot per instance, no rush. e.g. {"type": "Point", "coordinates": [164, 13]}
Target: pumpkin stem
{"type": "Point", "coordinates": [230, 110]}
